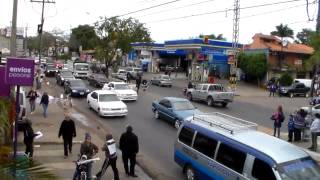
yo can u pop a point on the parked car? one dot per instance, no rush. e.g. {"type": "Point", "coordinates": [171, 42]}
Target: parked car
{"type": "Point", "coordinates": [76, 87]}
{"type": "Point", "coordinates": [133, 72]}
{"type": "Point", "coordinates": [63, 76]}
{"type": "Point", "coordinates": [294, 89]}
{"type": "Point", "coordinates": [97, 80]}
{"type": "Point", "coordinates": [123, 90]}
{"type": "Point", "coordinates": [106, 103]}
{"type": "Point", "coordinates": [120, 74]}
{"type": "Point", "coordinates": [162, 80]}
{"type": "Point", "coordinates": [174, 110]}
{"type": "Point", "coordinates": [219, 146]}
{"type": "Point", "coordinates": [306, 82]}
{"type": "Point", "coordinates": [211, 94]}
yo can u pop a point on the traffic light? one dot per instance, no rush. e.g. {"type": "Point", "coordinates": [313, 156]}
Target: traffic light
{"type": "Point", "coordinates": [40, 28]}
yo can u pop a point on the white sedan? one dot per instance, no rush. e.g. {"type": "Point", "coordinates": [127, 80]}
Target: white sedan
{"type": "Point", "coordinates": [314, 109]}
{"type": "Point", "coordinates": [123, 90]}
{"type": "Point", "coordinates": [106, 103]}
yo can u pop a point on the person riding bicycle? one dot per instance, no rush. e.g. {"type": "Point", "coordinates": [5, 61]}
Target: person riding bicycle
{"type": "Point", "coordinates": [89, 149]}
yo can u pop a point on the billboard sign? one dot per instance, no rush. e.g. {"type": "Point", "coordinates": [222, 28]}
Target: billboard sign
{"type": "Point", "coordinates": [19, 71]}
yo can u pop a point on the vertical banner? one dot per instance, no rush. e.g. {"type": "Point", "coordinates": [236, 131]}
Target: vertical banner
{"type": "Point", "coordinates": [5, 89]}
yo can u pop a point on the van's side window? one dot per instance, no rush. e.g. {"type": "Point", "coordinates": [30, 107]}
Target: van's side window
{"type": "Point", "coordinates": [186, 135]}
{"type": "Point", "coordinates": [231, 158]}
{"type": "Point", "coordinates": [262, 171]}
{"type": "Point", "coordinates": [205, 145]}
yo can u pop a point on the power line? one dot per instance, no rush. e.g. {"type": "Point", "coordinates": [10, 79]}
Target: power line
{"type": "Point", "coordinates": [223, 11]}
{"type": "Point", "coordinates": [181, 7]}
{"type": "Point", "coordinates": [147, 8]}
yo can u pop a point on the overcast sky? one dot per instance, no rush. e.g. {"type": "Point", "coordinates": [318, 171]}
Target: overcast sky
{"type": "Point", "coordinates": [66, 14]}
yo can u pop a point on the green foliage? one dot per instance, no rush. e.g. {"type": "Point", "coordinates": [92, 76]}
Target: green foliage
{"type": "Point", "coordinates": [314, 59]}
{"type": "Point", "coordinates": [283, 31]}
{"type": "Point", "coordinates": [116, 34]}
{"type": "Point", "coordinates": [304, 37]}
{"type": "Point", "coordinates": [286, 79]}
{"type": "Point", "coordinates": [64, 57]}
{"type": "Point", "coordinates": [4, 115]}
{"type": "Point", "coordinates": [83, 35]}
{"type": "Point", "coordinates": [213, 36]}
{"type": "Point", "coordinates": [254, 65]}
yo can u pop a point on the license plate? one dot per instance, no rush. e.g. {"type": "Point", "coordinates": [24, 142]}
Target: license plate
{"type": "Point", "coordinates": [81, 93]}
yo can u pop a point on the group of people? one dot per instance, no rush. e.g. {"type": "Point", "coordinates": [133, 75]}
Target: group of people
{"type": "Point", "coordinates": [44, 102]}
{"type": "Point", "coordinates": [128, 145]}
{"type": "Point", "coordinates": [297, 125]}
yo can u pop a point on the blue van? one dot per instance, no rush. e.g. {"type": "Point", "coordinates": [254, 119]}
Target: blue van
{"type": "Point", "coordinates": [219, 146]}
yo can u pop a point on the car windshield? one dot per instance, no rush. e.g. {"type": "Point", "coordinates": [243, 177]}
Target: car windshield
{"type": "Point", "coordinates": [82, 67]}
{"type": "Point", "coordinates": [108, 97]}
{"type": "Point", "coordinates": [305, 168]}
{"type": "Point", "coordinates": [183, 105]}
{"type": "Point", "coordinates": [99, 76]}
{"type": "Point", "coordinates": [121, 86]}
{"type": "Point", "coordinates": [77, 83]}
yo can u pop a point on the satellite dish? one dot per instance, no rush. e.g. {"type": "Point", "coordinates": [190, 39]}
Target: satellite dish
{"type": "Point", "coordinates": [285, 43]}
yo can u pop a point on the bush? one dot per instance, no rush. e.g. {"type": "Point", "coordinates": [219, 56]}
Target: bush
{"type": "Point", "coordinates": [286, 79]}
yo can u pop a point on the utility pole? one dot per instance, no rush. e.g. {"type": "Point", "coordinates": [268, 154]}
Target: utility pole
{"type": "Point", "coordinates": [235, 44]}
{"type": "Point", "coordinates": [318, 19]}
{"type": "Point", "coordinates": [13, 39]}
{"type": "Point", "coordinates": [316, 68]}
{"type": "Point", "coordinates": [40, 26]}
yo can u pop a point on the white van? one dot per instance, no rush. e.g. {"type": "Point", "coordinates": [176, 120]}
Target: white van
{"type": "Point", "coordinates": [306, 82]}
{"type": "Point", "coordinates": [219, 146]}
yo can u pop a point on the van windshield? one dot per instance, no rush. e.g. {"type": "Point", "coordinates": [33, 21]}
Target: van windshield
{"type": "Point", "coordinates": [305, 168]}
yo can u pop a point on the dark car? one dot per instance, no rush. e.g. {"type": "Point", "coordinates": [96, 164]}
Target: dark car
{"type": "Point", "coordinates": [76, 87]}
{"type": "Point", "coordinates": [50, 70]}
{"type": "Point", "coordinates": [174, 110]}
{"type": "Point", "coordinates": [97, 80]}
{"type": "Point", "coordinates": [63, 76]}
{"type": "Point", "coordinates": [294, 89]}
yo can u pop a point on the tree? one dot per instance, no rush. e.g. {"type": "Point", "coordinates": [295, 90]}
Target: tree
{"type": "Point", "coordinates": [254, 65]}
{"type": "Point", "coordinates": [85, 36]}
{"type": "Point", "coordinates": [314, 59]}
{"type": "Point", "coordinates": [48, 40]}
{"type": "Point", "coordinates": [304, 36]}
{"type": "Point", "coordinates": [115, 36]}
{"type": "Point", "coordinates": [285, 79]}
{"type": "Point", "coordinates": [283, 31]}
{"type": "Point", "coordinates": [213, 36]}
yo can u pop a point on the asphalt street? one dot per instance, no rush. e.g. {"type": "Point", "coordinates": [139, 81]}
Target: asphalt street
{"type": "Point", "coordinates": [156, 137]}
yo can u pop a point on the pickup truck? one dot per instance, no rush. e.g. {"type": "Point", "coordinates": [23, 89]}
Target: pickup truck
{"type": "Point", "coordinates": [295, 89]}
{"type": "Point", "coordinates": [120, 74]}
{"type": "Point", "coordinates": [211, 94]}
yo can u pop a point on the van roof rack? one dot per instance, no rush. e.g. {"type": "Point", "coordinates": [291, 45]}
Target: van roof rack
{"type": "Point", "coordinates": [224, 122]}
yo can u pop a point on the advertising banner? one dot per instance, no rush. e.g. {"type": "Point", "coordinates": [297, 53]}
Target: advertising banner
{"type": "Point", "coordinates": [5, 89]}
{"type": "Point", "coordinates": [19, 71]}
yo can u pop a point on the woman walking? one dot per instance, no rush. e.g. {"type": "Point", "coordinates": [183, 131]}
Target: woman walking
{"type": "Point", "coordinates": [278, 119]}
{"type": "Point", "coordinates": [44, 102]}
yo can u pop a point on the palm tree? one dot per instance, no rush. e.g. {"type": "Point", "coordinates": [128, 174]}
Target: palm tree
{"type": "Point", "coordinates": [282, 31]}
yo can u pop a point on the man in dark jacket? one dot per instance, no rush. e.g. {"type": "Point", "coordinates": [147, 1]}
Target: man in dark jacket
{"type": "Point", "coordinates": [111, 158]}
{"type": "Point", "coordinates": [138, 82]}
{"type": "Point", "coordinates": [130, 147]}
{"type": "Point", "coordinates": [44, 102]}
{"type": "Point", "coordinates": [32, 95]}
{"type": "Point", "coordinates": [29, 135]}
{"type": "Point", "coordinates": [68, 131]}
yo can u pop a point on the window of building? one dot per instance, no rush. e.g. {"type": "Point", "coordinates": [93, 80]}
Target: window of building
{"type": "Point", "coordinates": [205, 145]}
{"type": "Point", "coordinates": [262, 171]}
{"type": "Point", "coordinates": [232, 158]}
{"type": "Point", "coordinates": [186, 135]}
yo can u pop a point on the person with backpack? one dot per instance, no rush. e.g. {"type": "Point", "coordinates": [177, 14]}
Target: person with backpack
{"type": "Point", "coordinates": [278, 118]}
{"type": "Point", "coordinates": [111, 158]}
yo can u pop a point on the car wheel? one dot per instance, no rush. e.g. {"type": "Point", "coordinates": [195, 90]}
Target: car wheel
{"type": "Point", "coordinates": [89, 105]}
{"type": "Point", "coordinates": [177, 124]}
{"type": "Point", "coordinates": [156, 114]}
{"type": "Point", "coordinates": [209, 101]}
{"type": "Point", "coordinates": [189, 96]}
{"type": "Point", "coordinates": [224, 104]}
{"type": "Point", "coordinates": [306, 95]}
{"type": "Point", "coordinates": [291, 95]}
{"type": "Point", "coordinates": [190, 175]}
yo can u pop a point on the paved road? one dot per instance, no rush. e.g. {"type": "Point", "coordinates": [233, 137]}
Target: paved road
{"type": "Point", "coordinates": [157, 137]}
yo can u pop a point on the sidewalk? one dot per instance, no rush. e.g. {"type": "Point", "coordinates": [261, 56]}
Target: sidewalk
{"type": "Point", "coordinates": [48, 150]}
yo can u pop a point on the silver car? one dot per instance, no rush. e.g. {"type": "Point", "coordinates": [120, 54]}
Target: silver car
{"type": "Point", "coordinates": [162, 80]}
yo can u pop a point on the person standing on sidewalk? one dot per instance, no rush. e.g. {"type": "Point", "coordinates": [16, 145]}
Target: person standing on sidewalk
{"type": "Point", "coordinates": [111, 158]}
{"type": "Point", "coordinates": [130, 147]}
{"type": "Point", "coordinates": [44, 102]}
{"type": "Point", "coordinates": [138, 82]}
{"type": "Point", "coordinates": [278, 119]}
{"type": "Point", "coordinates": [68, 132]}
{"type": "Point", "coordinates": [32, 95]}
{"type": "Point", "coordinates": [315, 132]}
{"type": "Point", "coordinates": [89, 149]}
{"type": "Point", "coordinates": [29, 136]}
